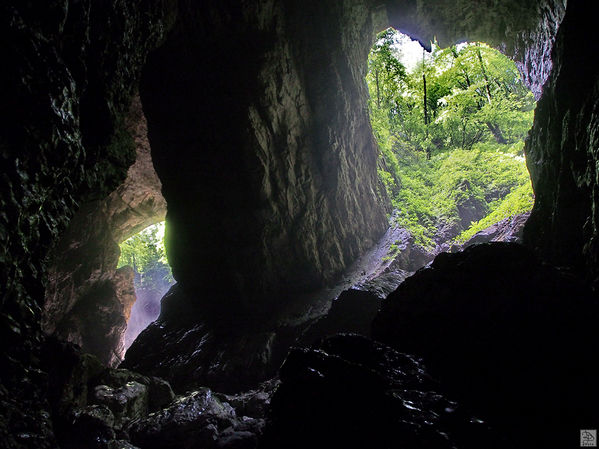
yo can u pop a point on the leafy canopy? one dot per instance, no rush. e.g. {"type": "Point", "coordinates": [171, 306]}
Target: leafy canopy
{"type": "Point", "coordinates": [450, 132]}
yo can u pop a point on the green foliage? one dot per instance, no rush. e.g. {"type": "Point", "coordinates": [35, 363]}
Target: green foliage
{"type": "Point", "coordinates": [145, 253]}
{"type": "Point", "coordinates": [432, 189]}
{"type": "Point", "coordinates": [459, 141]}
{"type": "Point", "coordinates": [518, 201]}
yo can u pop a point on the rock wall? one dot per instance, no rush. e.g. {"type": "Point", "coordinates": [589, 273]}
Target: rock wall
{"type": "Point", "coordinates": [275, 187]}
{"type": "Point", "coordinates": [83, 263]}
{"type": "Point", "coordinates": [524, 31]}
{"type": "Point", "coordinates": [562, 151]}
{"type": "Point", "coordinates": [69, 69]}
{"type": "Point", "coordinates": [507, 335]}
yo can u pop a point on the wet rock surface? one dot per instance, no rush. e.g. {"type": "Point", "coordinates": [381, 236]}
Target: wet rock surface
{"type": "Point", "coordinates": [199, 419]}
{"type": "Point", "coordinates": [351, 392]}
{"type": "Point", "coordinates": [70, 71]}
{"type": "Point", "coordinates": [562, 152]}
{"type": "Point", "coordinates": [504, 334]}
{"type": "Point", "coordinates": [91, 405]}
{"type": "Point", "coordinates": [229, 350]}
{"type": "Point", "coordinates": [508, 230]}
{"type": "Point", "coordinates": [203, 347]}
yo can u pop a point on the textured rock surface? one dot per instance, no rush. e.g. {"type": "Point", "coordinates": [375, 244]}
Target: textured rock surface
{"type": "Point", "coordinates": [562, 152]}
{"type": "Point", "coordinates": [287, 142]}
{"type": "Point", "coordinates": [507, 230]}
{"type": "Point", "coordinates": [199, 419]}
{"type": "Point", "coordinates": [198, 347]}
{"type": "Point", "coordinates": [507, 335]}
{"type": "Point", "coordinates": [68, 77]}
{"type": "Point", "coordinates": [300, 162]}
{"type": "Point", "coordinates": [351, 392]}
{"type": "Point", "coordinates": [91, 405]}
{"type": "Point", "coordinates": [98, 319]}
{"type": "Point", "coordinates": [524, 30]}
{"type": "Point", "coordinates": [82, 278]}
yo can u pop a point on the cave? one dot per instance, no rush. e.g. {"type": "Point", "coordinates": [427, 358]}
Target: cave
{"type": "Point", "coordinates": [245, 125]}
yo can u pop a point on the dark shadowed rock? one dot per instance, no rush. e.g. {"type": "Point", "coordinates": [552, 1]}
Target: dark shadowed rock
{"type": "Point", "coordinates": [97, 321]}
{"type": "Point", "coordinates": [353, 311]}
{"type": "Point", "coordinates": [507, 335]}
{"type": "Point", "coordinates": [562, 154]}
{"type": "Point", "coordinates": [197, 420]}
{"type": "Point", "coordinates": [351, 392]}
{"type": "Point", "coordinates": [90, 427]}
{"type": "Point", "coordinates": [267, 154]}
{"type": "Point", "coordinates": [229, 352]}
{"type": "Point", "coordinates": [386, 283]}
{"type": "Point", "coordinates": [91, 404]}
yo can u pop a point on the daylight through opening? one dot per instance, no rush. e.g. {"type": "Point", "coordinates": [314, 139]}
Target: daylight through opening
{"type": "Point", "coordinates": [145, 254]}
{"type": "Point", "coordinates": [450, 125]}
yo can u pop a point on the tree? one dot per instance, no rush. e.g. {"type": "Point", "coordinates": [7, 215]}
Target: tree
{"type": "Point", "coordinates": [460, 114]}
{"type": "Point", "coordinates": [145, 253]}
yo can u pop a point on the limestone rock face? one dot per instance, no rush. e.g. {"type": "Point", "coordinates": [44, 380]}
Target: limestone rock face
{"type": "Point", "coordinates": [91, 405]}
{"type": "Point", "coordinates": [199, 419]}
{"type": "Point", "coordinates": [266, 157]}
{"type": "Point", "coordinates": [85, 259]}
{"type": "Point", "coordinates": [507, 335]}
{"type": "Point", "coordinates": [562, 151]}
{"type": "Point", "coordinates": [228, 353]}
{"type": "Point", "coordinates": [275, 187]}
{"type": "Point", "coordinates": [507, 230]}
{"type": "Point", "coordinates": [523, 30]}
{"type": "Point", "coordinates": [98, 320]}
{"type": "Point", "coordinates": [69, 72]}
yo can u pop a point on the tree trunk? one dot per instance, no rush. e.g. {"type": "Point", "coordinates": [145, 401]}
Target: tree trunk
{"type": "Point", "coordinates": [482, 68]}
{"type": "Point", "coordinates": [496, 133]}
{"type": "Point", "coordinates": [378, 94]}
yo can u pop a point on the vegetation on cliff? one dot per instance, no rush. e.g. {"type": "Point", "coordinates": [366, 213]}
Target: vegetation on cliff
{"type": "Point", "coordinates": [146, 254]}
{"type": "Point", "coordinates": [451, 132]}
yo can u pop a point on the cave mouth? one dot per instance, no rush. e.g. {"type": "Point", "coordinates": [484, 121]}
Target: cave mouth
{"type": "Point", "coordinates": [144, 253]}
{"type": "Point", "coordinates": [450, 124]}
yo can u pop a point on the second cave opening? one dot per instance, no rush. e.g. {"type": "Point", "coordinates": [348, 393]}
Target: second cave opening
{"type": "Point", "coordinates": [146, 255]}
{"type": "Point", "coordinates": [450, 124]}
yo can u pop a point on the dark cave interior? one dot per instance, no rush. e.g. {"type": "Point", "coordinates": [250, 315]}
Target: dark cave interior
{"type": "Point", "coordinates": [250, 121]}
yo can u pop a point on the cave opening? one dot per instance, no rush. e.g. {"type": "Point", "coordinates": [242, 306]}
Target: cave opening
{"type": "Point", "coordinates": [144, 253]}
{"type": "Point", "coordinates": [269, 166]}
{"type": "Point", "coordinates": [450, 124]}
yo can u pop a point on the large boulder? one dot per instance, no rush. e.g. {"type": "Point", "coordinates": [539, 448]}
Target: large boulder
{"type": "Point", "coordinates": [91, 405]}
{"type": "Point", "coordinates": [199, 419]}
{"type": "Point", "coordinates": [506, 334]}
{"type": "Point", "coordinates": [351, 392]}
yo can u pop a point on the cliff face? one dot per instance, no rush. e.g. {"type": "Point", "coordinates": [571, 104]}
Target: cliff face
{"type": "Point", "coordinates": [562, 151]}
{"type": "Point", "coordinates": [69, 71]}
{"type": "Point", "coordinates": [84, 260]}
{"type": "Point", "coordinates": [274, 188]}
